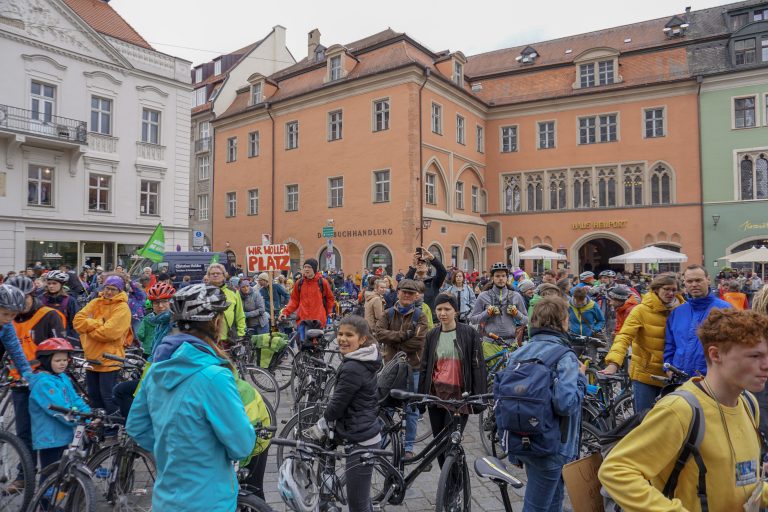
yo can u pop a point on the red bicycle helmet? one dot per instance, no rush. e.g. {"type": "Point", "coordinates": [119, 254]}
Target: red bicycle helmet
{"type": "Point", "coordinates": [161, 291]}
{"type": "Point", "coordinates": [53, 345]}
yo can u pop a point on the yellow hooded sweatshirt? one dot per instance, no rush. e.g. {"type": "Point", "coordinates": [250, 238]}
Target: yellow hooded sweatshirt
{"type": "Point", "coordinates": [104, 326]}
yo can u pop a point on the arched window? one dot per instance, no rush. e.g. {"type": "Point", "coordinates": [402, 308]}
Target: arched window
{"type": "Point", "coordinates": [468, 263]}
{"type": "Point", "coordinates": [606, 187]}
{"type": "Point", "coordinates": [535, 189]}
{"type": "Point", "coordinates": [633, 186]}
{"type": "Point", "coordinates": [379, 256]}
{"type": "Point", "coordinates": [557, 191]}
{"type": "Point", "coordinates": [747, 183]}
{"type": "Point", "coordinates": [328, 261]}
{"type": "Point", "coordinates": [661, 184]}
{"type": "Point", "coordinates": [582, 189]}
{"type": "Point", "coordinates": [436, 252]}
{"type": "Point", "coordinates": [761, 177]}
{"type": "Point", "coordinates": [512, 194]}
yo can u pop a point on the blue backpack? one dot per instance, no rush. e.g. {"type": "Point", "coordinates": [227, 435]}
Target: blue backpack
{"type": "Point", "coordinates": [525, 416]}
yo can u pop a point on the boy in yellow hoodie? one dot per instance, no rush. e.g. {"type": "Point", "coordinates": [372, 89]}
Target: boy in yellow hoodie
{"type": "Point", "coordinates": [637, 469]}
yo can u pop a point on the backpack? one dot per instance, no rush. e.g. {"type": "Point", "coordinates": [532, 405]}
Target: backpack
{"type": "Point", "coordinates": [396, 374]}
{"type": "Point", "coordinates": [690, 448]}
{"type": "Point", "coordinates": [525, 415]}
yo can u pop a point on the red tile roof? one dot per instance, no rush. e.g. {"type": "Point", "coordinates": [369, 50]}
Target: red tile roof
{"type": "Point", "coordinates": [105, 20]}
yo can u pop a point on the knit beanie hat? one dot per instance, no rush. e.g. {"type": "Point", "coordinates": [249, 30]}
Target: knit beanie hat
{"type": "Point", "coordinates": [442, 298]}
{"type": "Point", "coordinates": [115, 281]}
{"type": "Point", "coordinates": [312, 262]}
{"type": "Point", "coordinates": [263, 276]}
{"type": "Point", "coordinates": [525, 285]}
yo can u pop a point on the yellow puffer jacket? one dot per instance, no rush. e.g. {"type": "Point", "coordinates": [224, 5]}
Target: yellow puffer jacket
{"type": "Point", "coordinates": [104, 326]}
{"type": "Point", "coordinates": [644, 329]}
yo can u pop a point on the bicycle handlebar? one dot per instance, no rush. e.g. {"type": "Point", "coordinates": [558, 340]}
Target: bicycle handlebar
{"type": "Point", "coordinates": [125, 361]}
{"type": "Point", "coordinates": [319, 450]}
{"type": "Point", "coordinates": [400, 394]}
{"type": "Point", "coordinates": [71, 414]}
{"type": "Point", "coordinates": [676, 372]}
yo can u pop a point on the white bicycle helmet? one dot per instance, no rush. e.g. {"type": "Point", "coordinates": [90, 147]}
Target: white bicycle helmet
{"type": "Point", "coordinates": [23, 283]}
{"type": "Point", "coordinates": [294, 482]}
{"type": "Point", "coordinates": [11, 298]}
{"type": "Point", "coordinates": [198, 303]}
{"type": "Point", "coordinates": [57, 275]}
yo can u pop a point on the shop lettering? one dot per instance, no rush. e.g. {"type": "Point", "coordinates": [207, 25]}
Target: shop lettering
{"type": "Point", "coordinates": [357, 233]}
{"type": "Point", "coordinates": [605, 224]}
{"type": "Point", "coordinates": [748, 225]}
{"type": "Point", "coordinates": [262, 258]}
{"type": "Point", "coordinates": [51, 255]}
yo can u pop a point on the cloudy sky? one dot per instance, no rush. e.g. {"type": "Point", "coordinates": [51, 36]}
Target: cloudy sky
{"type": "Point", "coordinates": [200, 30]}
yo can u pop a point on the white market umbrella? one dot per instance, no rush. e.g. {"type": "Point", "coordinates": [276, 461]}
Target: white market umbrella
{"type": "Point", "coordinates": [537, 253]}
{"type": "Point", "coordinates": [514, 254]}
{"type": "Point", "coordinates": [752, 256]}
{"type": "Point", "coordinates": [650, 254]}
{"type": "Point", "coordinates": [738, 254]}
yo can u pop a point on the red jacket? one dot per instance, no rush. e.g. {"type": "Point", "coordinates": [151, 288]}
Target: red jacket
{"type": "Point", "coordinates": [623, 312]}
{"type": "Point", "coordinates": [307, 300]}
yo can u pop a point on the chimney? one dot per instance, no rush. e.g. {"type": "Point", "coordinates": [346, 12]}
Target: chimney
{"type": "Point", "coordinates": [313, 40]}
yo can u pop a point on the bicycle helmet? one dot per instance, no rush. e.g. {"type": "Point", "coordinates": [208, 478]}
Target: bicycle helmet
{"type": "Point", "coordinates": [161, 291]}
{"type": "Point", "coordinates": [607, 273]}
{"type": "Point", "coordinates": [11, 298]}
{"type": "Point", "coordinates": [619, 292]}
{"type": "Point", "coordinates": [53, 345]}
{"type": "Point", "coordinates": [57, 275]}
{"type": "Point", "coordinates": [23, 283]}
{"type": "Point", "coordinates": [586, 275]}
{"type": "Point", "coordinates": [198, 303]}
{"type": "Point", "coordinates": [294, 482]}
{"type": "Point", "coordinates": [499, 266]}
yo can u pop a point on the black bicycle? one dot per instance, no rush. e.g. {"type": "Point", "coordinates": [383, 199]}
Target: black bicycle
{"type": "Point", "coordinates": [15, 459]}
{"type": "Point", "coordinates": [495, 471]}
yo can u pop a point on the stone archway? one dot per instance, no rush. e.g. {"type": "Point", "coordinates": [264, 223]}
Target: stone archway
{"type": "Point", "coordinates": [592, 252]}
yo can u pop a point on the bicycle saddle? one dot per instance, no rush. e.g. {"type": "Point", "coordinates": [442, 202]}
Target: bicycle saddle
{"type": "Point", "coordinates": [314, 333]}
{"type": "Point", "coordinates": [493, 468]}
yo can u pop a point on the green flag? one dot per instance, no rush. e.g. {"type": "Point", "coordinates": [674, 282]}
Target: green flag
{"type": "Point", "coordinates": [154, 249]}
{"type": "Point", "coordinates": [214, 259]}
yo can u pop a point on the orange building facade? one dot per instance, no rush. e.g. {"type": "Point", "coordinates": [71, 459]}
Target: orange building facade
{"type": "Point", "coordinates": [587, 146]}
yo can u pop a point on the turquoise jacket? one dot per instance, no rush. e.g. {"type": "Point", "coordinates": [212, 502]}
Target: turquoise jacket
{"type": "Point", "coordinates": [189, 414]}
{"type": "Point", "coordinates": [49, 428]}
{"type": "Point", "coordinates": [152, 329]}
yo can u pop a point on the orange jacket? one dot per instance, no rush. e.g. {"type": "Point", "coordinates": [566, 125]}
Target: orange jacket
{"type": "Point", "coordinates": [736, 299]}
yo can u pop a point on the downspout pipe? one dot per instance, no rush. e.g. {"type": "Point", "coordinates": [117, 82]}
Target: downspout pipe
{"type": "Point", "coordinates": [267, 106]}
{"type": "Point", "coordinates": [699, 81]}
{"type": "Point", "coordinates": [427, 73]}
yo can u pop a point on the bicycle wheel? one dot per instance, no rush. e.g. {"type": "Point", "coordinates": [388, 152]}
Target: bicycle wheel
{"type": "Point", "coordinates": [71, 491]}
{"type": "Point", "coordinates": [489, 436]}
{"type": "Point", "coordinates": [7, 412]}
{"type": "Point", "coordinates": [265, 382]}
{"type": "Point", "coordinates": [293, 428]}
{"type": "Point", "coordinates": [298, 371]}
{"type": "Point", "coordinates": [453, 491]}
{"type": "Point", "coordinates": [247, 502]}
{"type": "Point", "coordinates": [124, 476]}
{"type": "Point", "coordinates": [282, 367]}
{"type": "Point", "coordinates": [622, 409]}
{"type": "Point", "coordinates": [13, 453]}
{"type": "Point", "coordinates": [590, 440]}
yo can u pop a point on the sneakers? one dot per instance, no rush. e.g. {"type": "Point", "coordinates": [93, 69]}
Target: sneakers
{"type": "Point", "coordinates": [408, 456]}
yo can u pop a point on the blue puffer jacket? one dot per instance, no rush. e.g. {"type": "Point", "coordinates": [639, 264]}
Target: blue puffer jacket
{"type": "Point", "coordinates": [682, 347]}
{"type": "Point", "coordinates": [49, 429]}
{"type": "Point", "coordinates": [189, 414]}
{"type": "Point", "coordinates": [569, 388]}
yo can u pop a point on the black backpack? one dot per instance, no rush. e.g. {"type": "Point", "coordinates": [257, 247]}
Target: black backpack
{"type": "Point", "coordinates": [319, 283]}
{"type": "Point", "coordinates": [396, 374]}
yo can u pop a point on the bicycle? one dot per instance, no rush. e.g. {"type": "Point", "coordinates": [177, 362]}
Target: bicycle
{"type": "Point", "coordinates": [495, 471]}
{"type": "Point", "coordinates": [495, 363]}
{"type": "Point", "coordinates": [15, 459]}
{"type": "Point", "coordinates": [247, 500]}
{"type": "Point", "coordinates": [242, 356]}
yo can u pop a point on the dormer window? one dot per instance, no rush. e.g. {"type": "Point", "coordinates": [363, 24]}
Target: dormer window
{"type": "Point", "coordinates": [597, 67]}
{"type": "Point", "coordinates": [458, 73]}
{"type": "Point", "coordinates": [527, 56]}
{"type": "Point", "coordinates": [217, 67]}
{"type": "Point", "coordinates": [744, 51]}
{"type": "Point", "coordinates": [675, 27]}
{"type": "Point", "coordinates": [198, 75]}
{"type": "Point", "coordinates": [335, 69]}
{"type": "Point", "coordinates": [257, 93]}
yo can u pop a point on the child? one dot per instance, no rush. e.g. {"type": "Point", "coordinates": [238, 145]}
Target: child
{"type": "Point", "coordinates": [354, 406]}
{"type": "Point", "coordinates": [51, 433]}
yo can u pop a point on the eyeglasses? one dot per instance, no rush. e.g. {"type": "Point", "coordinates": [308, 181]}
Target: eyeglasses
{"type": "Point", "coordinates": [667, 289]}
{"type": "Point", "coordinates": [215, 273]}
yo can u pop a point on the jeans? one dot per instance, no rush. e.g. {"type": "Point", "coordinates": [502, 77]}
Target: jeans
{"type": "Point", "coordinates": [644, 394]}
{"type": "Point", "coordinates": [544, 489]}
{"type": "Point", "coordinates": [123, 396]}
{"type": "Point", "coordinates": [100, 386]}
{"type": "Point", "coordinates": [359, 477]}
{"type": "Point", "coordinates": [20, 397]}
{"type": "Point", "coordinates": [412, 415]}
{"type": "Point", "coordinates": [439, 418]}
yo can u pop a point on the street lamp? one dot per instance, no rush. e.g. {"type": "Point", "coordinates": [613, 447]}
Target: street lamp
{"type": "Point", "coordinates": [715, 220]}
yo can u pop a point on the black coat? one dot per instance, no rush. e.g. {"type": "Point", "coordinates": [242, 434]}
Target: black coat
{"type": "Point", "coordinates": [354, 404]}
{"type": "Point", "coordinates": [473, 374]}
{"type": "Point", "coordinates": [432, 284]}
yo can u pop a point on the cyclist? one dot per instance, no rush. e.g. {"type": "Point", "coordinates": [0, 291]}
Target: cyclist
{"type": "Point", "coordinates": [188, 412]}
{"type": "Point", "coordinates": [12, 301]}
{"type": "Point", "coordinates": [353, 407]}
{"type": "Point", "coordinates": [499, 309]}
{"type": "Point", "coordinates": [156, 325]}
{"type": "Point", "coordinates": [585, 317]}
{"type": "Point", "coordinates": [56, 297]}
{"type": "Point", "coordinates": [586, 279]}
{"type": "Point", "coordinates": [256, 316]}
{"type": "Point", "coordinates": [465, 295]}
{"type": "Point", "coordinates": [636, 471]}
{"type": "Point", "coordinates": [419, 271]}
{"type": "Point", "coordinates": [233, 322]}
{"type": "Point", "coordinates": [623, 301]}
{"type": "Point", "coordinates": [312, 298]}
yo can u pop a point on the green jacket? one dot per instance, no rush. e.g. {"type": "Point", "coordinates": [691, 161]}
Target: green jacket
{"type": "Point", "coordinates": [234, 316]}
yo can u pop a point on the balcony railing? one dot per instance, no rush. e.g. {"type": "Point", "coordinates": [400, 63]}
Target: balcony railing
{"type": "Point", "coordinates": [148, 151]}
{"type": "Point", "coordinates": [203, 144]}
{"type": "Point", "coordinates": [40, 123]}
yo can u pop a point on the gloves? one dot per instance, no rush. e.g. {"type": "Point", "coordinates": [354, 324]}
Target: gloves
{"type": "Point", "coordinates": [512, 310]}
{"type": "Point", "coordinates": [493, 310]}
{"type": "Point", "coordinates": [317, 432]}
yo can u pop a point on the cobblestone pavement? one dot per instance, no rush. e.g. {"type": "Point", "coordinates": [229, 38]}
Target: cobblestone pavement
{"type": "Point", "coordinates": [421, 495]}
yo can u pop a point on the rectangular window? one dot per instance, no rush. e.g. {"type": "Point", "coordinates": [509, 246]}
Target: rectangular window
{"type": "Point", "coordinates": [654, 122]}
{"type": "Point", "coordinates": [547, 135]}
{"type": "Point", "coordinates": [739, 20]}
{"type": "Point", "coordinates": [202, 207]}
{"type": "Point", "coordinates": [199, 74]}
{"type": "Point", "coordinates": [605, 72]}
{"type": "Point", "coordinates": [336, 67]}
{"type": "Point", "coordinates": [744, 51]}
{"type": "Point", "coordinates": [253, 144]}
{"type": "Point", "coordinates": [149, 200]}
{"type": "Point", "coordinates": [380, 115]}
{"type": "Point", "coordinates": [744, 112]}
{"type": "Point", "coordinates": [608, 128]}
{"type": "Point", "coordinates": [204, 129]}
{"type": "Point", "coordinates": [231, 204]}
{"type": "Point", "coordinates": [475, 199]}
{"type": "Point", "coordinates": [587, 130]}
{"type": "Point", "coordinates": [39, 186]}
{"type": "Point", "coordinates": [98, 192]}
{"type": "Point", "coordinates": [292, 135]}
{"type": "Point", "coordinates": [764, 52]}
{"type": "Point", "coordinates": [587, 75]}
{"type": "Point", "coordinates": [508, 139]}
{"type": "Point", "coordinates": [231, 149]}
{"type": "Point", "coordinates": [256, 93]}
{"type": "Point", "coordinates": [335, 192]}
{"type": "Point", "coordinates": [150, 126]}
{"type": "Point", "coordinates": [381, 186]}
{"type": "Point", "coordinates": [253, 202]}
{"type": "Point", "coordinates": [460, 133]}
{"type": "Point", "coordinates": [760, 15]}
{"type": "Point", "coordinates": [429, 189]}
{"type": "Point", "coordinates": [291, 198]}
{"type": "Point", "coordinates": [203, 167]}
{"type": "Point", "coordinates": [217, 67]}
{"type": "Point", "coordinates": [101, 115]}
{"type": "Point", "coordinates": [458, 73]}
{"type": "Point", "coordinates": [437, 119]}
{"type": "Point", "coordinates": [480, 139]}
{"type": "Point", "coordinates": [43, 102]}
{"type": "Point", "coordinates": [335, 121]}
{"type": "Point", "coordinates": [199, 97]}
{"type": "Point", "coordinates": [459, 195]}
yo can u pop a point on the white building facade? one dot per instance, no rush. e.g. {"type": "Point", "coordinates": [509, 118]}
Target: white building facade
{"type": "Point", "coordinates": [94, 139]}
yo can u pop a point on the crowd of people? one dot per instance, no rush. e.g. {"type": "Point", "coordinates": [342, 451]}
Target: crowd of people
{"type": "Point", "coordinates": [438, 317]}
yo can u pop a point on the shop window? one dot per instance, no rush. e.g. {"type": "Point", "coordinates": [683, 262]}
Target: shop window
{"type": "Point", "coordinates": [379, 257]}
{"type": "Point", "coordinates": [52, 254]}
{"type": "Point", "coordinates": [330, 261]}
